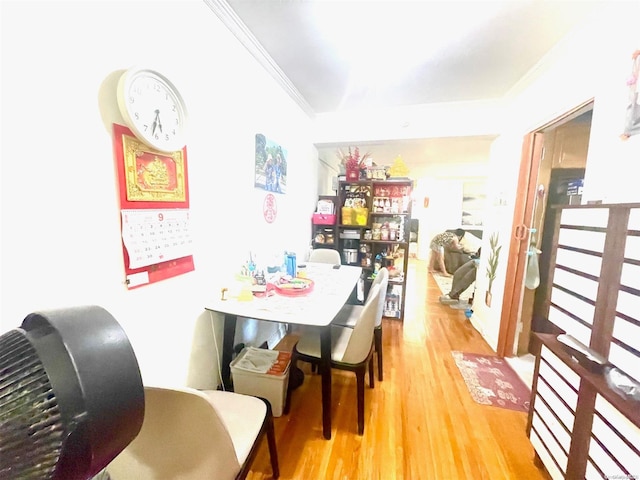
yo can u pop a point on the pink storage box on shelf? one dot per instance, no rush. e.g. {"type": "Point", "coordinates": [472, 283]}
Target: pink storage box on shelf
{"type": "Point", "coordinates": [324, 219]}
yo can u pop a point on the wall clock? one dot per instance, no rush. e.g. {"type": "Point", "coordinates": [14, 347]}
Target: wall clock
{"type": "Point", "coordinates": [152, 108]}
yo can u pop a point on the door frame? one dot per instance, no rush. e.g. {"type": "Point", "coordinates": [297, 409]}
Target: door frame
{"type": "Point", "coordinates": [530, 159]}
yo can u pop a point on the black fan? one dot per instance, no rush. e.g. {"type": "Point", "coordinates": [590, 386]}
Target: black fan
{"type": "Point", "coordinates": [71, 394]}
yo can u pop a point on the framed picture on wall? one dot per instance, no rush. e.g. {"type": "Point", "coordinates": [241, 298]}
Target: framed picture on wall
{"type": "Point", "coordinates": [474, 201]}
{"type": "Point", "coordinates": [270, 166]}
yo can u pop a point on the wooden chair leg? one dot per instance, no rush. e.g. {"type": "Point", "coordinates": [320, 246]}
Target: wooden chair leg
{"type": "Point", "coordinates": [273, 452]}
{"type": "Point", "coordinates": [377, 337]}
{"type": "Point", "coordinates": [360, 395]}
{"type": "Point", "coordinates": [371, 375]}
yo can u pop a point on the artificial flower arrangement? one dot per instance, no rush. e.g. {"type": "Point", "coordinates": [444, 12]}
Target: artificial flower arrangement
{"type": "Point", "coordinates": [352, 161]}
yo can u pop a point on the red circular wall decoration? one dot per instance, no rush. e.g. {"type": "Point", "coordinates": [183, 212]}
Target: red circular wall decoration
{"type": "Point", "coordinates": [269, 208]}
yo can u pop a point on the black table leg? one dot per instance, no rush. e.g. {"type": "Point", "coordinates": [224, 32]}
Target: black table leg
{"type": "Point", "coordinates": [325, 370]}
{"type": "Point", "coordinates": [227, 350]}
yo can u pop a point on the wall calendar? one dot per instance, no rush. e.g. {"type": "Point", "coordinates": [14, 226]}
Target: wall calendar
{"type": "Point", "coordinates": [154, 208]}
{"type": "Point", "coordinates": [153, 236]}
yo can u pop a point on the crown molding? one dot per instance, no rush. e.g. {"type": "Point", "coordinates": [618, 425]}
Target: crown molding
{"type": "Point", "coordinates": [226, 14]}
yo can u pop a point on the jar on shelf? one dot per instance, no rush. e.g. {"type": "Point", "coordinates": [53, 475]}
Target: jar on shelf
{"type": "Point", "coordinates": [394, 230]}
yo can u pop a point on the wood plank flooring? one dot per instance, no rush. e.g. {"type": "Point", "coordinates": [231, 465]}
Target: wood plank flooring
{"type": "Point", "coordinates": [421, 422]}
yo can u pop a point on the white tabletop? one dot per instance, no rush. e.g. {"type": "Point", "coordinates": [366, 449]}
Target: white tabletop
{"type": "Point", "coordinates": [331, 291]}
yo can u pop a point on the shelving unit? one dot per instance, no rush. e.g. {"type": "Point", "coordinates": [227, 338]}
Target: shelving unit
{"type": "Point", "coordinates": [324, 230]}
{"type": "Point", "coordinates": [374, 223]}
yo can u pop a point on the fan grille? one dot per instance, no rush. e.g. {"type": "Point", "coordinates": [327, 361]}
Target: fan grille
{"type": "Point", "coordinates": [31, 430]}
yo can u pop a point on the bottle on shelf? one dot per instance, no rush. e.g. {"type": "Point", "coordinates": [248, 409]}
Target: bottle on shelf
{"type": "Point", "coordinates": [377, 264]}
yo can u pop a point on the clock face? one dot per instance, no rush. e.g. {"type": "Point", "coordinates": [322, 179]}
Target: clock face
{"type": "Point", "coordinates": [153, 109]}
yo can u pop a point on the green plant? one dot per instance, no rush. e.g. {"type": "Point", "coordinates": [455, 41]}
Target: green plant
{"type": "Point", "coordinates": [493, 259]}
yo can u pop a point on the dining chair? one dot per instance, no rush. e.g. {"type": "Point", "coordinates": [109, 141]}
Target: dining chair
{"type": "Point", "coordinates": [349, 314]}
{"type": "Point", "coordinates": [189, 434]}
{"type": "Point", "coordinates": [325, 255]}
{"type": "Point", "coordinates": [351, 349]}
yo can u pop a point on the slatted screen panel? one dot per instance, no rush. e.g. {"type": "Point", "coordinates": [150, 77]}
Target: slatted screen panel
{"type": "Point", "coordinates": [625, 345]}
{"type": "Point", "coordinates": [554, 410]}
{"type": "Point", "coordinates": [595, 297]}
{"type": "Point", "coordinates": [613, 450]}
{"type": "Point", "coordinates": [574, 289]}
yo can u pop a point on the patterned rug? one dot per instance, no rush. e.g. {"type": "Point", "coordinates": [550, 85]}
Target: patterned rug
{"type": "Point", "coordinates": [491, 381]}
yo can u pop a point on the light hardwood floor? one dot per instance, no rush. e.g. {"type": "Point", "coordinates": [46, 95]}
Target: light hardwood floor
{"type": "Point", "coordinates": [421, 422]}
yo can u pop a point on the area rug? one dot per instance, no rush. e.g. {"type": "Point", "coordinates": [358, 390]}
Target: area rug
{"type": "Point", "coordinates": [491, 381]}
{"type": "Point", "coordinates": [444, 283]}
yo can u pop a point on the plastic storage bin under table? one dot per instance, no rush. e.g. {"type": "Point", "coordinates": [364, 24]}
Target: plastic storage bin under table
{"type": "Point", "coordinates": [271, 383]}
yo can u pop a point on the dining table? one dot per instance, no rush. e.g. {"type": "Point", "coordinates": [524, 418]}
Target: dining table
{"type": "Point", "coordinates": [329, 288]}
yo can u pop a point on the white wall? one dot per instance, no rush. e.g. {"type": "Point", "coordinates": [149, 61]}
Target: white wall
{"type": "Point", "coordinates": [593, 62]}
{"type": "Point", "coordinates": [61, 242]}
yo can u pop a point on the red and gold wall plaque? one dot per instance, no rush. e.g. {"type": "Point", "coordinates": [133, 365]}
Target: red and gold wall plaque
{"type": "Point", "coordinates": [153, 176]}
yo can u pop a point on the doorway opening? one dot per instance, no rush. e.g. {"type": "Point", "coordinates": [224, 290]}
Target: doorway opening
{"type": "Point", "coordinates": [551, 173]}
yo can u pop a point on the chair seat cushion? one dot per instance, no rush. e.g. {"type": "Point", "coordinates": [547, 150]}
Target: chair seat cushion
{"type": "Point", "coordinates": [309, 343]}
{"type": "Point", "coordinates": [243, 415]}
{"type": "Point", "coordinates": [348, 315]}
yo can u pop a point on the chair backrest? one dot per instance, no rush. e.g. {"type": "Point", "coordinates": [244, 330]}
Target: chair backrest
{"type": "Point", "coordinates": [325, 255]}
{"type": "Point", "coordinates": [382, 279]}
{"type": "Point", "coordinates": [182, 438]}
{"type": "Point", "coordinates": [361, 338]}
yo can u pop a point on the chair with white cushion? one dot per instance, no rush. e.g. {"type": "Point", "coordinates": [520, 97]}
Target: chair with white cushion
{"type": "Point", "coordinates": [189, 434]}
{"type": "Point", "coordinates": [349, 314]}
{"type": "Point", "coordinates": [325, 255]}
{"type": "Point", "coordinates": [351, 349]}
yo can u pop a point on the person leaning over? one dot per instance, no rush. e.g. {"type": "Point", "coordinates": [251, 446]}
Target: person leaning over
{"type": "Point", "coordinates": [450, 240]}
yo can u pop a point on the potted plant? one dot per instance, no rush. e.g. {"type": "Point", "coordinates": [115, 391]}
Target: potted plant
{"type": "Point", "coordinates": [493, 265]}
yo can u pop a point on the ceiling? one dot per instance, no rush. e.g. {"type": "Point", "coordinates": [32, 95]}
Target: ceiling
{"type": "Point", "coordinates": [480, 61]}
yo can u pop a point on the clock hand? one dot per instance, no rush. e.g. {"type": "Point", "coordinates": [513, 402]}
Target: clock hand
{"type": "Point", "coordinates": [157, 121]}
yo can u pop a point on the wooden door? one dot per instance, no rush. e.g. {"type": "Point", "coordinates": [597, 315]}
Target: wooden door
{"type": "Point", "coordinates": [519, 242]}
